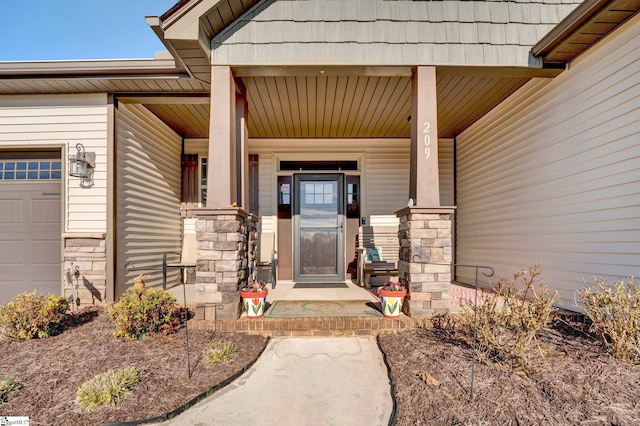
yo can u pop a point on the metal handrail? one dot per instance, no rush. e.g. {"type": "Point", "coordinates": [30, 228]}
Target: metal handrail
{"type": "Point", "coordinates": [164, 268]}
{"type": "Point", "coordinates": [488, 274]}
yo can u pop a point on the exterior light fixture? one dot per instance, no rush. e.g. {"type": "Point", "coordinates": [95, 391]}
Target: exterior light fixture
{"type": "Point", "coordinates": [81, 164]}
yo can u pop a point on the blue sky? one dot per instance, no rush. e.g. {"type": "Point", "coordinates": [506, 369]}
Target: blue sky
{"type": "Point", "coordinates": [79, 29]}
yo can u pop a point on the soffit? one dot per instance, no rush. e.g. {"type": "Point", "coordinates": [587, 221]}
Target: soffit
{"type": "Point", "coordinates": [352, 106]}
{"type": "Point", "coordinates": [584, 27]}
{"type": "Point", "coordinates": [115, 85]}
{"type": "Point", "coordinates": [97, 76]}
{"type": "Point", "coordinates": [291, 103]}
{"type": "Point", "coordinates": [187, 29]}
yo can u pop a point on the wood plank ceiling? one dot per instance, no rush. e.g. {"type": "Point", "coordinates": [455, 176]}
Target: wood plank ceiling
{"type": "Point", "coordinates": [296, 107]}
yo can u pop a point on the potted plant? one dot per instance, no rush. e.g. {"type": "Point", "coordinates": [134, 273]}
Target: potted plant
{"type": "Point", "coordinates": [392, 295]}
{"type": "Point", "coordinates": [253, 298]}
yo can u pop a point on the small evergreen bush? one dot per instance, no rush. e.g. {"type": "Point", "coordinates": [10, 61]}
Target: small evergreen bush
{"type": "Point", "coordinates": [145, 311]}
{"type": "Point", "coordinates": [614, 311]}
{"type": "Point", "coordinates": [219, 352]}
{"type": "Point", "coordinates": [108, 389]}
{"type": "Point", "coordinates": [508, 320]}
{"type": "Point", "coordinates": [31, 316]}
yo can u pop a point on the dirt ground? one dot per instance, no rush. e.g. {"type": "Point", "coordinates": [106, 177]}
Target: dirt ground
{"type": "Point", "coordinates": [578, 384]}
{"type": "Point", "coordinates": [50, 370]}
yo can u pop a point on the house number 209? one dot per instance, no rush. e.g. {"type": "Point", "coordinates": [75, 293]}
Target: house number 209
{"type": "Point", "coordinates": [427, 140]}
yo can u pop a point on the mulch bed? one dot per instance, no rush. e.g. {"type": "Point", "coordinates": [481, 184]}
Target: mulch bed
{"type": "Point", "coordinates": [50, 370]}
{"type": "Point", "coordinates": [578, 384]}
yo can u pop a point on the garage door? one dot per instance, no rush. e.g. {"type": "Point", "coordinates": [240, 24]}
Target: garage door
{"type": "Point", "coordinates": [30, 227]}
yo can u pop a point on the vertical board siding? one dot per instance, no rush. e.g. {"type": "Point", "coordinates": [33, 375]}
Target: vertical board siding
{"type": "Point", "coordinates": [54, 121]}
{"type": "Point", "coordinates": [553, 174]}
{"type": "Point", "coordinates": [148, 221]}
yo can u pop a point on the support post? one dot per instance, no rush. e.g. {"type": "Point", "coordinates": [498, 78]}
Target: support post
{"type": "Point", "coordinates": [424, 185]}
{"type": "Point", "coordinates": [222, 189]}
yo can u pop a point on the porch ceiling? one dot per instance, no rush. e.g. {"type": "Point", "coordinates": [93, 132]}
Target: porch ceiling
{"type": "Point", "coordinates": [350, 106]}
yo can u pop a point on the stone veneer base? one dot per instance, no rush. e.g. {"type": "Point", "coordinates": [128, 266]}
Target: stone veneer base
{"type": "Point", "coordinates": [425, 259]}
{"type": "Point", "coordinates": [226, 244]}
{"type": "Point", "coordinates": [87, 251]}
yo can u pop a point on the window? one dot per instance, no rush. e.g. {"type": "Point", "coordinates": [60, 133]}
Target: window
{"type": "Point", "coordinates": [353, 196]}
{"type": "Point", "coordinates": [203, 180]}
{"type": "Point", "coordinates": [297, 166]}
{"type": "Point", "coordinates": [26, 170]}
{"type": "Point", "coordinates": [194, 181]}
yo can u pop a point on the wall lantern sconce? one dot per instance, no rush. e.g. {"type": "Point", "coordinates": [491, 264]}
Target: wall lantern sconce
{"type": "Point", "coordinates": [81, 165]}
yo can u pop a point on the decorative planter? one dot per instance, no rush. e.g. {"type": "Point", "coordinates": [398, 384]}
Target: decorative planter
{"type": "Point", "coordinates": [391, 302]}
{"type": "Point", "coordinates": [254, 302]}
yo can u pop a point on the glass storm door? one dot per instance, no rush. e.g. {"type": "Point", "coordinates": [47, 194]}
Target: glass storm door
{"type": "Point", "coordinates": [318, 227]}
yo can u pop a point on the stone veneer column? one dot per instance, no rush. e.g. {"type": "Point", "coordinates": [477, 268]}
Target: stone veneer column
{"type": "Point", "coordinates": [424, 259]}
{"type": "Point", "coordinates": [222, 260]}
{"type": "Point", "coordinates": [87, 252]}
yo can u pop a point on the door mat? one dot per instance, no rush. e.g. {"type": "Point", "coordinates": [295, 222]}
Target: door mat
{"type": "Point", "coordinates": [323, 308]}
{"type": "Point", "coordinates": [320, 285]}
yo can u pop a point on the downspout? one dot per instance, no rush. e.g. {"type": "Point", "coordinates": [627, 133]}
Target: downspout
{"type": "Point", "coordinates": [110, 238]}
{"type": "Point", "coordinates": [454, 235]}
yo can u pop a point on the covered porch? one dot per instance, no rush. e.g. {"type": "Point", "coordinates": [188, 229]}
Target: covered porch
{"type": "Point", "coordinates": [261, 131]}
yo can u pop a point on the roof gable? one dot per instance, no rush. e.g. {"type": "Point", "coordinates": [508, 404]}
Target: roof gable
{"type": "Point", "coordinates": [370, 32]}
{"type": "Point", "coordinates": [382, 32]}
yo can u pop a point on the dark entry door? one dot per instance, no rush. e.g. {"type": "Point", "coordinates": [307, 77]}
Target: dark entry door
{"type": "Point", "coordinates": [318, 227]}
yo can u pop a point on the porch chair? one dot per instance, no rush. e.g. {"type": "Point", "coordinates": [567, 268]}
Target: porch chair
{"type": "Point", "coordinates": [267, 255]}
{"type": "Point", "coordinates": [378, 248]}
{"type": "Point", "coordinates": [187, 262]}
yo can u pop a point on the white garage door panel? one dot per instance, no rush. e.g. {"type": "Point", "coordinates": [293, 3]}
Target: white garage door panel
{"type": "Point", "coordinates": [46, 211]}
{"type": "Point", "coordinates": [30, 238]}
{"type": "Point", "coordinates": [10, 252]}
{"type": "Point", "coordinates": [10, 210]}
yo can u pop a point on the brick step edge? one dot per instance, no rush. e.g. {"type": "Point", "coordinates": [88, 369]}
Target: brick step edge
{"type": "Point", "coordinates": [310, 327]}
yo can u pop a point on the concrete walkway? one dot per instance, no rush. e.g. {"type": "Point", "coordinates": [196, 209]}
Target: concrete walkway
{"type": "Point", "coordinates": [304, 381]}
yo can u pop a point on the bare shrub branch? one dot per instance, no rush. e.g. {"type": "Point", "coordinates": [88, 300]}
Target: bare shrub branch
{"type": "Point", "coordinates": [615, 314]}
{"type": "Point", "coordinates": [509, 319]}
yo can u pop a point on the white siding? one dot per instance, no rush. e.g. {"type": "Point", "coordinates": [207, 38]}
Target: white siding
{"type": "Point", "coordinates": [385, 171]}
{"type": "Point", "coordinates": [446, 168]}
{"type": "Point", "coordinates": [148, 221]}
{"type": "Point", "coordinates": [196, 146]}
{"type": "Point", "coordinates": [385, 168]}
{"type": "Point", "coordinates": [553, 174]}
{"type": "Point", "coordinates": [62, 121]}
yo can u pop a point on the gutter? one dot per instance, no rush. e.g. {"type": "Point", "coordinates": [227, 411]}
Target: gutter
{"type": "Point", "coordinates": [156, 25]}
{"type": "Point", "coordinates": [116, 67]}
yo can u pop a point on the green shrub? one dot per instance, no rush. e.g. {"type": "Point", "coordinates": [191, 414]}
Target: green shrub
{"type": "Point", "coordinates": [614, 311]}
{"type": "Point", "coordinates": [30, 316]}
{"type": "Point", "coordinates": [508, 320]}
{"type": "Point", "coordinates": [141, 312]}
{"type": "Point", "coordinates": [219, 352]}
{"type": "Point", "coordinates": [8, 388]}
{"type": "Point", "coordinates": [109, 388]}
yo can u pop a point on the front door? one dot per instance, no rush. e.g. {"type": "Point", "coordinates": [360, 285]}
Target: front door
{"type": "Point", "coordinates": [318, 222]}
